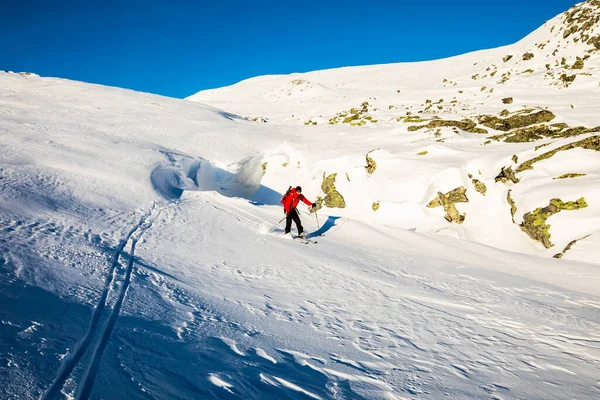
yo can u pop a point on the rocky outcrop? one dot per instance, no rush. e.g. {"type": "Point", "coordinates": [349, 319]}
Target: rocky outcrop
{"type": "Point", "coordinates": [479, 186]}
{"type": "Point", "coordinates": [569, 175]}
{"type": "Point", "coordinates": [513, 205]}
{"type": "Point", "coordinates": [537, 132]}
{"type": "Point", "coordinates": [516, 121]}
{"type": "Point", "coordinates": [590, 143]}
{"type": "Point", "coordinates": [534, 223]}
{"type": "Point", "coordinates": [371, 164]}
{"type": "Point", "coordinates": [447, 201]}
{"type": "Point", "coordinates": [466, 125]}
{"type": "Point", "coordinates": [333, 198]}
{"type": "Point", "coordinates": [507, 174]}
{"type": "Point", "coordinates": [568, 247]}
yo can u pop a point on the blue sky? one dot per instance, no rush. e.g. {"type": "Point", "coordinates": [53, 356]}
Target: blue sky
{"type": "Point", "coordinates": [177, 48]}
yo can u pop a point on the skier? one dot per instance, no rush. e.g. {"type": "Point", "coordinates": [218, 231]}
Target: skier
{"type": "Point", "coordinates": [290, 201]}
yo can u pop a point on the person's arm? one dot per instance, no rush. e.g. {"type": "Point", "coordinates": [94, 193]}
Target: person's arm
{"type": "Point", "coordinates": [305, 200]}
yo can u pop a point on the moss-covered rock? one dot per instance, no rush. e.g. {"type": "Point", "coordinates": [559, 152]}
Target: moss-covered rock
{"type": "Point", "coordinates": [567, 79]}
{"type": "Point", "coordinates": [447, 200]}
{"type": "Point", "coordinates": [528, 56]}
{"type": "Point", "coordinates": [513, 205]}
{"type": "Point", "coordinates": [479, 186]}
{"type": "Point", "coordinates": [534, 223]}
{"type": "Point", "coordinates": [371, 164]}
{"type": "Point", "coordinates": [319, 202]}
{"type": "Point", "coordinates": [570, 175]}
{"type": "Point", "coordinates": [507, 174]}
{"type": "Point", "coordinates": [568, 247]}
{"type": "Point", "coordinates": [333, 198]}
{"type": "Point", "coordinates": [375, 206]}
{"type": "Point", "coordinates": [351, 118]}
{"type": "Point", "coordinates": [595, 41]}
{"type": "Point", "coordinates": [410, 119]}
{"type": "Point", "coordinates": [466, 125]}
{"type": "Point", "coordinates": [590, 143]}
{"type": "Point", "coordinates": [537, 132]}
{"type": "Point", "coordinates": [516, 121]}
{"type": "Point", "coordinates": [507, 100]}
{"type": "Point", "coordinates": [579, 64]}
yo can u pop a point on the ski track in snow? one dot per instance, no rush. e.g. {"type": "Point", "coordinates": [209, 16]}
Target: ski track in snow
{"type": "Point", "coordinates": [73, 358]}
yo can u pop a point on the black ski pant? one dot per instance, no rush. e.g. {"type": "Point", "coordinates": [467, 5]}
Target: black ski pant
{"type": "Point", "coordinates": [293, 215]}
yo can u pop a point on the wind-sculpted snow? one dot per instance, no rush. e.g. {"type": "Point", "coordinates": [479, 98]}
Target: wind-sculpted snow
{"type": "Point", "coordinates": [201, 175]}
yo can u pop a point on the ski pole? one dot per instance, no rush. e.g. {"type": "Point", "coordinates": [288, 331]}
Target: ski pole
{"type": "Point", "coordinates": [317, 217]}
{"type": "Point", "coordinates": [275, 226]}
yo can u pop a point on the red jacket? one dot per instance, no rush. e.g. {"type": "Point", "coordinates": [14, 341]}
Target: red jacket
{"type": "Point", "coordinates": [291, 199]}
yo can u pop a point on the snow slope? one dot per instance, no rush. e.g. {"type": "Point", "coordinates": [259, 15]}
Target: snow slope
{"type": "Point", "coordinates": [467, 86]}
{"type": "Point", "coordinates": [139, 256]}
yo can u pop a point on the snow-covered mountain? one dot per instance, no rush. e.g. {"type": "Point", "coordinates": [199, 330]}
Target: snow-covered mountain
{"type": "Point", "coordinates": [454, 125]}
{"type": "Point", "coordinates": [141, 255]}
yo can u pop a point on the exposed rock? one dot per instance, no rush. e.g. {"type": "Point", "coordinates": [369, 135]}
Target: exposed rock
{"type": "Point", "coordinates": [507, 100]}
{"type": "Point", "coordinates": [447, 200]}
{"type": "Point", "coordinates": [507, 174]}
{"type": "Point", "coordinates": [527, 56]}
{"type": "Point", "coordinates": [262, 120]}
{"type": "Point", "coordinates": [570, 175]}
{"type": "Point", "coordinates": [351, 118]}
{"type": "Point", "coordinates": [595, 41]}
{"type": "Point", "coordinates": [319, 201]}
{"type": "Point", "coordinates": [423, 153]}
{"type": "Point", "coordinates": [507, 57]}
{"type": "Point", "coordinates": [578, 64]}
{"type": "Point", "coordinates": [534, 223]}
{"type": "Point", "coordinates": [285, 164]}
{"type": "Point", "coordinates": [590, 143]}
{"type": "Point", "coordinates": [371, 164]}
{"type": "Point", "coordinates": [466, 125]}
{"type": "Point", "coordinates": [375, 206]}
{"type": "Point", "coordinates": [410, 119]}
{"type": "Point", "coordinates": [333, 198]}
{"type": "Point", "coordinates": [513, 205]}
{"type": "Point", "coordinates": [264, 167]}
{"type": "Point", "coordinates": [567, 79]}
{"type": "Point", "coordinates": [516, 121]}
{"type": "Point", "coordinates": [568, 247]}
{"type": "Point", "coordinates": [515, 159]}
{"type": "Point", "coordinates": [537, 132]}
{"type": "Point", "coordinates": [479, 186]}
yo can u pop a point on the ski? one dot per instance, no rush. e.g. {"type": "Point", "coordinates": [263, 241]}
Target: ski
{"type": "Point", "coordinates": [304, 240]}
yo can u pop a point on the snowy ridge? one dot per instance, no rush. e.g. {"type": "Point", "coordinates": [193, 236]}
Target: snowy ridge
{"type": "Point", "coordinates": [394, 302]}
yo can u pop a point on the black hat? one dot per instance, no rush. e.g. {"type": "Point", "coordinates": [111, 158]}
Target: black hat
{"type": "Point", "coordinates": [298, 189]}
